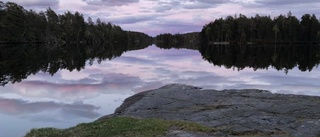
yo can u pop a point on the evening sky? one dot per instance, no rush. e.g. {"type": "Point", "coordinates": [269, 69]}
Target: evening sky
{"type": "Point", "coordinates": [172, 16]}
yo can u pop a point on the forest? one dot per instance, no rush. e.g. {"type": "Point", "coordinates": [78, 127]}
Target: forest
{"type": "Point", "coordinates": [168, 41]}
{"type": "Point", "coordinates": [286, 29]}
{"type": "Point", "coordinates": [18, 25]}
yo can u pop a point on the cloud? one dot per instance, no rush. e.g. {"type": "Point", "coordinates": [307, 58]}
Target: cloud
{"type": "Point", "coordinates": [162, 71]}
{"type": "Point", "coordinates": [197, 6]}
{"type": "Point", "coordinates": [110, 2]}
{"type": "Point", "coordinates": [132, 19]}
{"type": "Point", "coordinates": [20, 107]}
{"type": "Point", "coordinates": [163, 6]}
{"type": "Point", "coordinates": [285, 2]}
{"type": "Point", "coordinates": [37, 3]}
{"type": "Point", "coordinates": [212, 1]}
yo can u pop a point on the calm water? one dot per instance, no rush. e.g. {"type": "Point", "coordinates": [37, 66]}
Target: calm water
{"type": "Point", "coordinates": [67, 98]}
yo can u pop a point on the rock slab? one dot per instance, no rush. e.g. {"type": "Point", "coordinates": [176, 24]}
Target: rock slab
{"type": "Point", "coordinates": [248, 112]}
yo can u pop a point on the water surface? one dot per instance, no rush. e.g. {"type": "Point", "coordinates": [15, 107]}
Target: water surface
{"type": "Point", "coordinates": [94, 86]}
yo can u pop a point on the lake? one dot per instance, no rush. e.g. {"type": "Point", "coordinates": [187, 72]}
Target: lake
{"type": "Point", "coordinates": [62, 86]}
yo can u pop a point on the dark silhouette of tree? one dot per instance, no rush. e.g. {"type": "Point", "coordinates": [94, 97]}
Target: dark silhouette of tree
{"type": "Point", "coordinates": [168, 41]}
{"type": "Point", "coordinates": [262, 29]}
{"type": "Point", "coordinates": [18, 25]}
{"type": "Point", "coordinates": [13, 22]}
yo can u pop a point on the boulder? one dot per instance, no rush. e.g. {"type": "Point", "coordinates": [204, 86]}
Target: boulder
{"type": "Point", "coordinates": [247, 112]}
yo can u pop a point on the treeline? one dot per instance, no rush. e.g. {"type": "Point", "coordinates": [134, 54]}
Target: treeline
{"type": "Point", "coordinates": [18, 25]}
{"type": "Point", "coordinates": [168, 41]}
{"type": "Point", "coordinates": [263, 29]}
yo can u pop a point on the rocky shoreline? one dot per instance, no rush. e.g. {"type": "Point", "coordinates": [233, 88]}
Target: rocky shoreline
{"type": "Point", "coordinates": [248, 112]}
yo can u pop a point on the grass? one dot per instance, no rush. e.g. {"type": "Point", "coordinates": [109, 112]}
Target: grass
{"type": "Point", "coordinates": [121, 127]}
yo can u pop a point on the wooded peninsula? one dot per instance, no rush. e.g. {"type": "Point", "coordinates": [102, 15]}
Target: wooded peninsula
{"type": "Point", "coordinates": [18, 25]}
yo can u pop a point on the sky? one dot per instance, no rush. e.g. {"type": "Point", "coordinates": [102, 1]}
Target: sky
{"type": "Point", "coordinates": [172, 16]}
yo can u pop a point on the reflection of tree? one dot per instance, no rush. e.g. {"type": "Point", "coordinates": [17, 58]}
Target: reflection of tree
{"type": "Point", "coordinates": [281, 57]}
{"type": "Point", "coordinates": [17, 62]}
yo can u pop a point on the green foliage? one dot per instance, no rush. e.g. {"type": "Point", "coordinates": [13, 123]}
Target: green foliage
{"type": "Point", "coordinates": [262, 29]}
{"type": "Point", "coordinates": [188, 40]}
{"type": "Point", "coordinates": [121, 127]}
{"type": "Point", "coordinates": [21, 26]}
{"type": "Point", "coordinates": [46, 132]}
{"type": "Point", "coordinates": [13, 22]}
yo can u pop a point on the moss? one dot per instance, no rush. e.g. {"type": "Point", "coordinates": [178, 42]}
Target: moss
{"type": "Point", "coordinates": [45, 132]}
{"type": "Point", "coordinates": [121, 127]}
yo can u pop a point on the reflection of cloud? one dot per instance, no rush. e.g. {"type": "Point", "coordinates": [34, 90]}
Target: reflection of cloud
{"type": "Point", "coordinates": [276, 82]}
{"type": "Point", "coordinates": [198, 73]}
{"type": "Point", "coordinates": [149, 86]}
{"type": "Point", "coordinates": [291, 80]}
{"type": "Point", "coordinates": [120, 80]}
{"type": "Point", "coordinates": [199, 78]}
{"type": "Point", "coordinates": [137, 60]}
{"type": "Point", "coordinates": [173, 54]}
{"type": "Point", "coordinates": [86, 81]}
{"type": "Point", "coordinates": [213, 80]}
{"type": "Point", "coordinates": [21, 107]}
{"type": "Point", "coordinates": [92, 86]}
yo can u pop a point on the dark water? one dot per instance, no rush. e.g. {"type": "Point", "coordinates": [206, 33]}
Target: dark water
{"type": "Point", "coordinates": [61, 86]}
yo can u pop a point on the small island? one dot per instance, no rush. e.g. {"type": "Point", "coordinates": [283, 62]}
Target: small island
{"type": "Point", "coordinates": [184, 110]}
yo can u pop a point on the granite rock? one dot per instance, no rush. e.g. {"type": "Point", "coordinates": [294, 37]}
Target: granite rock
{"type": "Point", "coordinates": [247, 112]}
